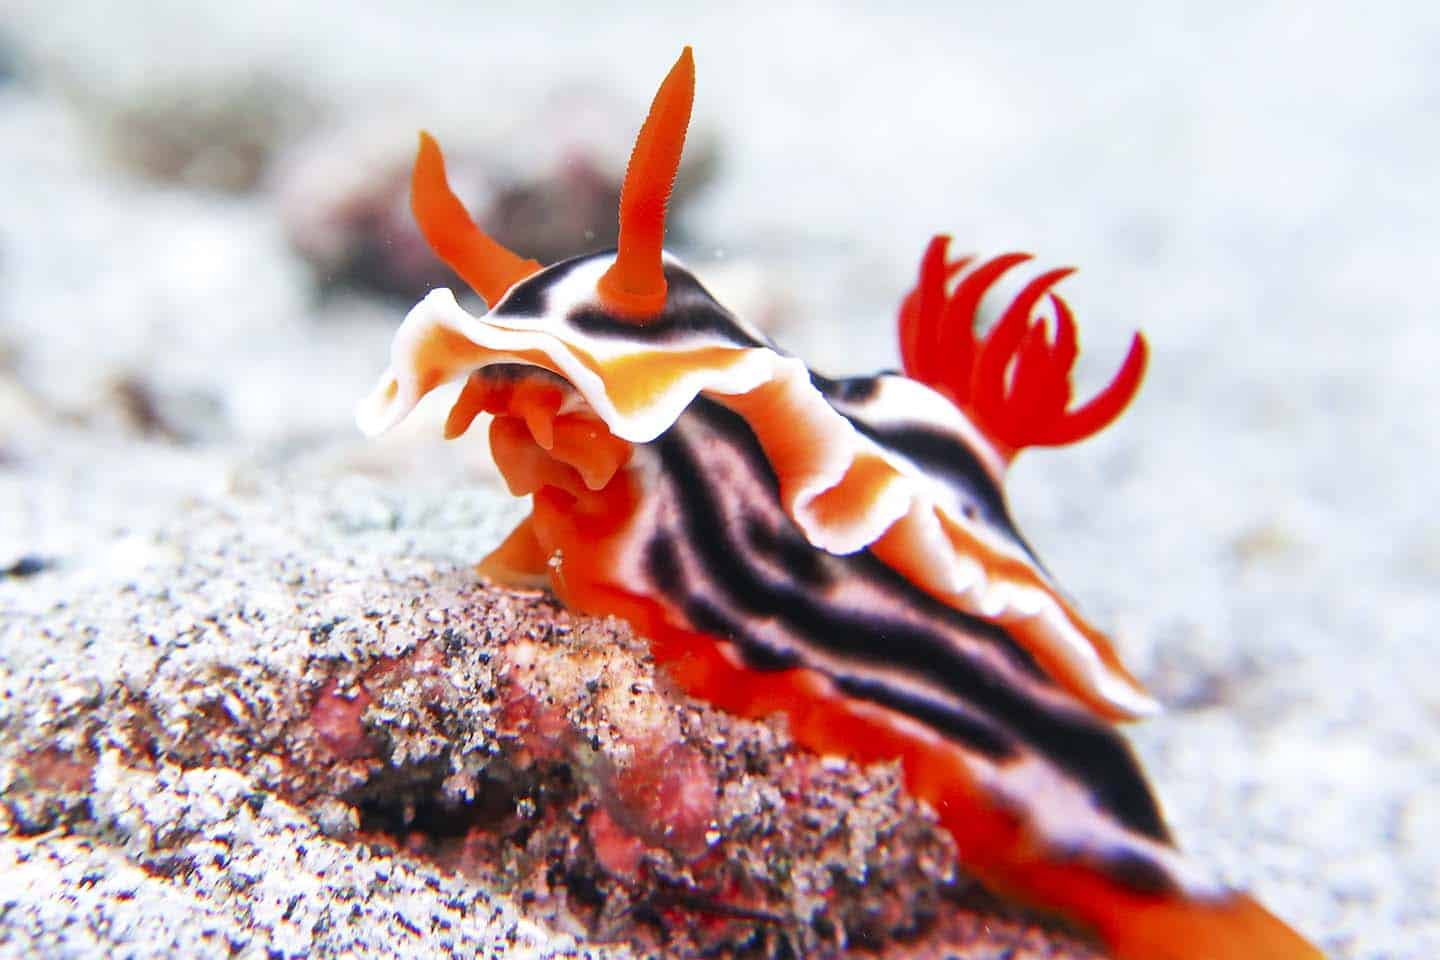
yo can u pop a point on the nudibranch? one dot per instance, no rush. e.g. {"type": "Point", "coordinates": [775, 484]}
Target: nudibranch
{"type": "Point", "coordinates": [838, 551]}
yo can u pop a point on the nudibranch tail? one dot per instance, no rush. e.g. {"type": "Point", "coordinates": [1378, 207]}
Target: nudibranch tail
{"type": "Point", "coordinates": [634, 286]}
{"type": "Point", "coordinates": [1234, 927]}
{"type": "Point", "coordinates": [488, 267]}
{"type": "Point", "coordinates": [838, 551]}
{"type": "Point", "coordinates": [1015, 384]}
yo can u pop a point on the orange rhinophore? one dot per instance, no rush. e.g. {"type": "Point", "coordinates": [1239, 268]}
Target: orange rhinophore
{"type": "Point", "coordinates": [635, 283]}
{"type": "Point", "coordinates": [838, 551]}
{"type": "Point", "coordinates": [480, 261]}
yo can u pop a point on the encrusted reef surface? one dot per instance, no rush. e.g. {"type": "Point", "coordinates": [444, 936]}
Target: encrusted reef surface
{"type": "Point", "coordinates": [260, 735]}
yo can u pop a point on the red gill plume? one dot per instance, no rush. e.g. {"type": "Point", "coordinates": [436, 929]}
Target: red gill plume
{"type": "Point", "coordinates": [1013, 383]}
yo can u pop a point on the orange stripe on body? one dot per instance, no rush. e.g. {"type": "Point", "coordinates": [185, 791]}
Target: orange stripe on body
{"type": "Point", "coordinates": [897, 550]}
{"type": "Point", "coordinates": [857, 494]}
{"type": "Point", "coordinates": [636, 380]}
{"type": "Point", "coordinates": [772, 413]}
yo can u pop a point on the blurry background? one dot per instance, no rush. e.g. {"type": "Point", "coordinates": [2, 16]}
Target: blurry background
{"type": "Point", "coordinates": [204, 249]}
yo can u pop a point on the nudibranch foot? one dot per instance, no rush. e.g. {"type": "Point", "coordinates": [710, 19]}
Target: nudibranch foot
{"type": "Point", "coordinates": [838, 551]}
{"type": "Point", "coordinates": [519, 562]}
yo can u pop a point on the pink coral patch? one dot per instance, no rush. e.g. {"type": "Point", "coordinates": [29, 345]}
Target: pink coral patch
{"type": "Point", "coordinates": [667, 797]}
{"type": "Point", "coordinates": [336, 719]}
{"type": "Point", "coordinates": [617, 850]}
{"type": "Point", "coordinates": [543, 732]}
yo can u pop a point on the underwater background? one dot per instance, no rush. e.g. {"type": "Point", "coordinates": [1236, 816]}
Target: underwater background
{"type": "Point", "coordinates": [204, 251]}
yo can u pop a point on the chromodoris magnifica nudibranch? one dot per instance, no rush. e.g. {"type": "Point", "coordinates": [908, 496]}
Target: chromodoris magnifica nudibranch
{"type": "Point", "coordinates": [838, 551]}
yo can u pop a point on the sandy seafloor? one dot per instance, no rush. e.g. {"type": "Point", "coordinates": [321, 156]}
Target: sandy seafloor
{"type": "Point", "coordinates": [1257, 186]}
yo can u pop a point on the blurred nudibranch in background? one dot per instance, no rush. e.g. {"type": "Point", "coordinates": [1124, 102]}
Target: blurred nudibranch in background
{"type": "Point", "coordinates": [838, 551]}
